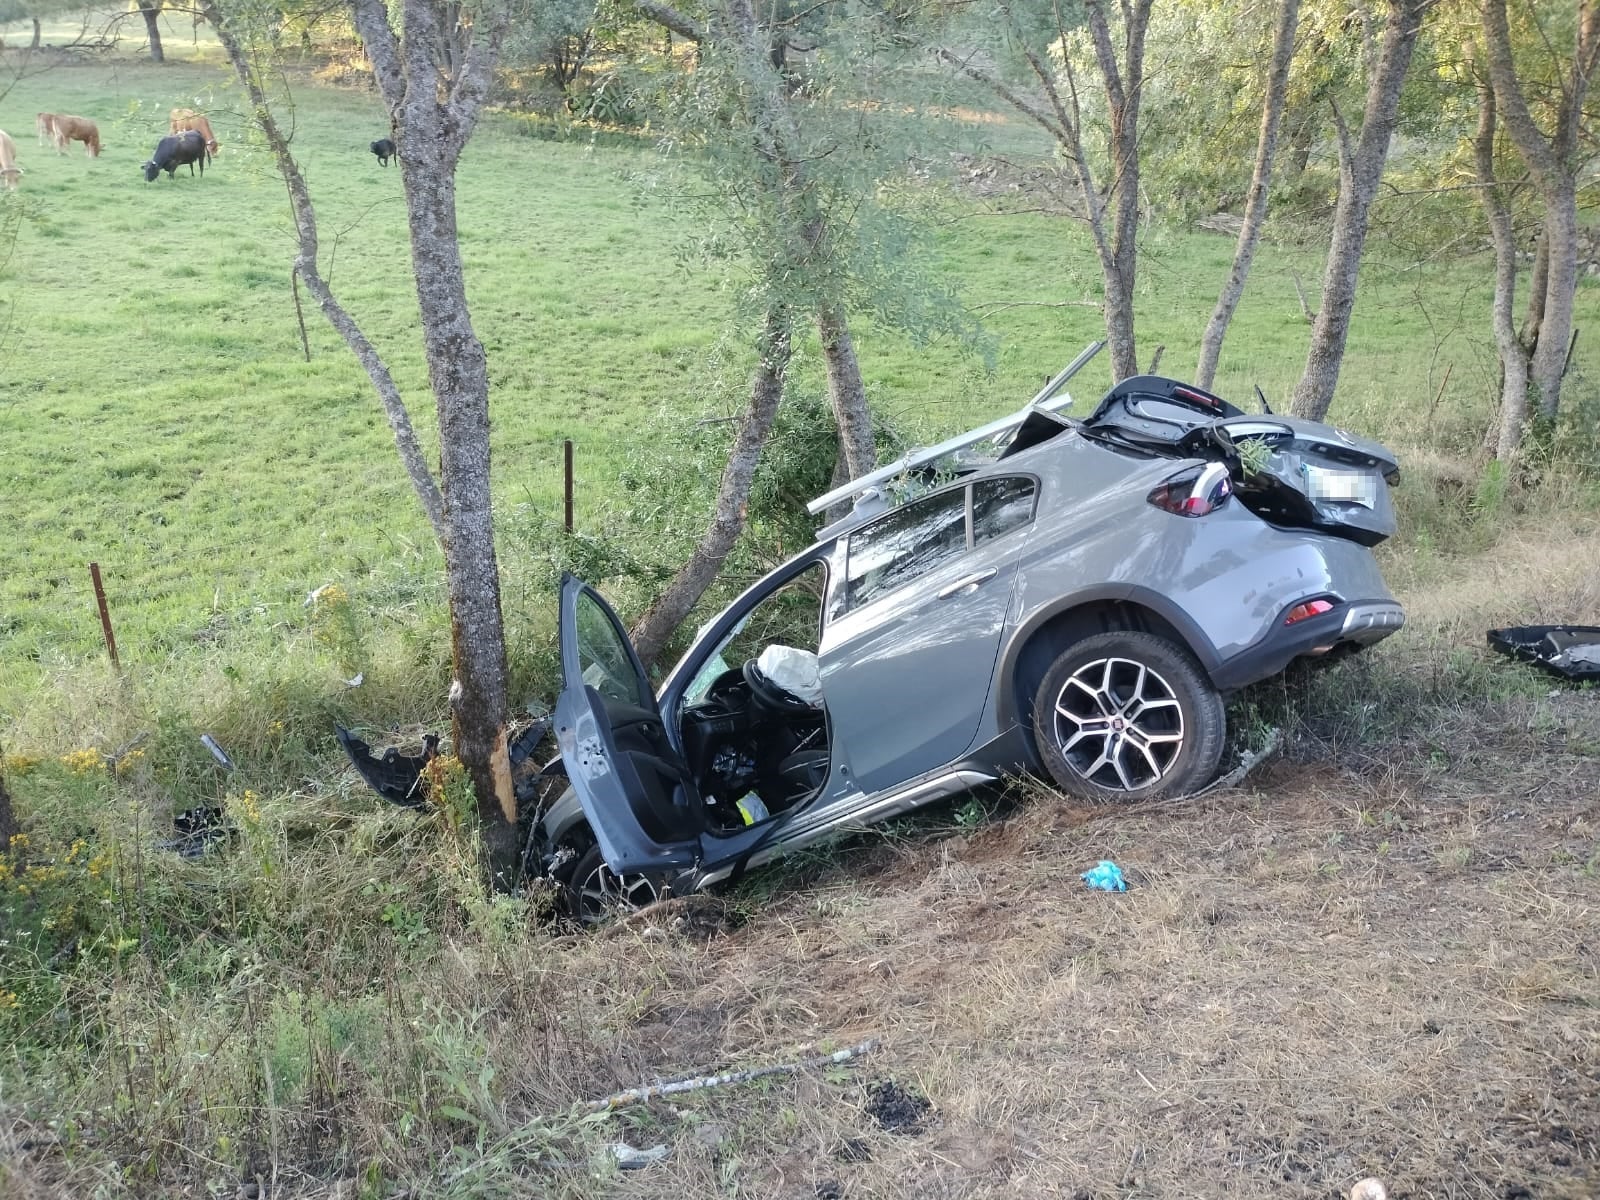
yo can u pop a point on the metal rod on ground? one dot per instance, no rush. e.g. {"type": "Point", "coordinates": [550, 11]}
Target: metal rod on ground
{"type": "Point", "coordinates": [105, 614]}
{"type": "Point", "coordinates": [567, 454]}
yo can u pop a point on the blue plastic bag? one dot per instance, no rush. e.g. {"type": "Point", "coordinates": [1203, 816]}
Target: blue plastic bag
{"type": "Point", "coordinates": [1107, 877]}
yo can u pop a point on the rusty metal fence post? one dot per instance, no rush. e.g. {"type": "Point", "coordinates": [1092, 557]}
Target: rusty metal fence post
{"type": "Point", "coordinates": [105, 614]}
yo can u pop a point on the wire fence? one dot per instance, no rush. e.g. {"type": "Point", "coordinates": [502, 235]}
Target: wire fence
{"type": "Point", "coordinates": [135, 596]}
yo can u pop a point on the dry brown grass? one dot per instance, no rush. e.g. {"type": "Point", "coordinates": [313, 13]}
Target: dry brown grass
{"type": "Point", "coordinates": [1379, 958]}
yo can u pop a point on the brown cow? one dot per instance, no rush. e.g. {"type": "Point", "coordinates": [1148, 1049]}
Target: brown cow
{"type": "Point", "coordinates": [77, 129]}
{"type": "Point", "coordinates": [181, 119]}
{"type": "Point", "coordinates": [9, 171]}
{"type": "Point", "coordinates": [46, 125]}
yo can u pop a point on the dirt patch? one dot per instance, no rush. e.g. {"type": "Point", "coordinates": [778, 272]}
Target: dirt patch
{"type": "Point", "coordinates": [897, 1109]}
{"type": "Point", "coordinates": [1035, 184]}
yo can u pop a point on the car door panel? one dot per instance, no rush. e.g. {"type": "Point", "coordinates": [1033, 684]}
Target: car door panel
{"type": "Point", "coordinates": [907, 676]}
{"type": "Point", "coordinates": [628, 777]}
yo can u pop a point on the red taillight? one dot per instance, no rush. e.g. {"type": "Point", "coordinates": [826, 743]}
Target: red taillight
{"type": "Point", "coordinates": [1308, 609]}
{"type": "Point", "coordinates": [1196, 396]}
{"type": "Point", "coordinates": [1194, 493]}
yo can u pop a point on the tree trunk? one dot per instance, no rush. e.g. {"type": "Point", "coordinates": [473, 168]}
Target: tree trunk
{"type": "Point", "coordinates": [152, 25]}
{"type": "Point", "coordinates": [34, 45]}
{"type": "Point", "coordinates": [1124, 87]}
{"type": "Point", "coordinates": [1255, 209]}
{"type": "Point", "coordinates": [434, 81]}
{"type": "Point", "coordinates": [1561, 288]}
{"type": "Point", "coordinates": [8, 816]}
{"type": "Point", "coordinates": [728, 518]}
{"type": "Point", "coordinates": [1361, 169]}
{"type": "Point", "coordinates": [847, 393]}
{"type": "Point", "coordinates": [1513, 357]}
{"type": "Point", "coordinates": [1552, 161]}
{"type": "Point", "coordinates": [1538, 289]}
{"type": "Point", "coordinates": [458, 374]}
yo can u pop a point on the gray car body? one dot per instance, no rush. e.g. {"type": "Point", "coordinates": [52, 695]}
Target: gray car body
{"type": "Point", "coordinates": [929, 686]}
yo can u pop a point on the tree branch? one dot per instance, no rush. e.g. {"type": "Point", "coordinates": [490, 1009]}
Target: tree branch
{"type": "Point", "coordinates": [371, 19]}
{"type": "Point", "coordinates": [471, 87]}
{"type": "Point", "coordinates": [305, 265]}
{"type": "Point", "coordinates": [671, 18]}
{"type": "Point", "coordinates": [999, 88]}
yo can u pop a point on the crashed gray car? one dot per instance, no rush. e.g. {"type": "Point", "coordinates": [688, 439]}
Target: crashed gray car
{"type": "Point", "coordinates": [1071, 598]}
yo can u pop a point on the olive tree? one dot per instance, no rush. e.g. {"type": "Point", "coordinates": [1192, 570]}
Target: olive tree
{"type": "Point", "coordinates": [433, 72]}
{"type": "Point", "coordinates": [1030, 59]}
{"type": "Point", "coordinates": [1541, 103]}
{"type": "Point", "coordinates": [1361, 160]}
{"type": "Point", "coordinates": [790, 162]}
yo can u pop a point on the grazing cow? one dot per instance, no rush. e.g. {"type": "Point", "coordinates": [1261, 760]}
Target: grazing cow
{"type": "Point", "coordinates": [384, 149]}
{"type": "Point", "coordinates": [9, 171]}
{"type": "Point", "coordinates": [180, 120]}
{"type": "Point", "coordinates": [173, 152]}
{"type": "Point", "coordinates": [76, 129]}
{"type": "Point", "coordinates": [46, 125]}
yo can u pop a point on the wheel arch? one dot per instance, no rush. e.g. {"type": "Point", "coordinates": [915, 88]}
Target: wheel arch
{"type": "Point", "coordinates": [1036, 643]}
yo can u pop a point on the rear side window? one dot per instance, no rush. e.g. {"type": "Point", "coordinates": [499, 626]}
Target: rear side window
{"type": "Point", "coordinates": [999, 506]}
{"type": "Point", "coordinates": [905, 545]}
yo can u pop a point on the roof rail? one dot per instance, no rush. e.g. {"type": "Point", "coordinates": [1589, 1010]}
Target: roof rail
{"type": "Point", "coordinates": [917, 458]}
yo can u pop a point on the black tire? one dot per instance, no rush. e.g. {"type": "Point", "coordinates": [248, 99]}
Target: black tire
{"type": "Point", "coordinates": [593, 894]}
{"type": "Point", "coordinates": [1122, 717]}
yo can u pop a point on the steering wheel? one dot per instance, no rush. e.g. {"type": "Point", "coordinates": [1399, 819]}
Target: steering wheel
{"type": "Point", "coordinates": [773, 696]}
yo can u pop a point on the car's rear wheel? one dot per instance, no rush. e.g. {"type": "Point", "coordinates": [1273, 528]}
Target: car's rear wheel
{"type": "Point", "coordinates": [596, 894]}
{"type": "Point", "coordinates": [1128, 716]}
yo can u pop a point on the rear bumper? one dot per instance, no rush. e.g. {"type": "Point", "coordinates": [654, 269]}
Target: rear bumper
{"type": "Point", "coordinates": [1348, 627]}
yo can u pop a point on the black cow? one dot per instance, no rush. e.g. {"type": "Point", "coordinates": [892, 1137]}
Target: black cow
{"type": "Point", "coordinates": [173, 152]}
{"type": "Point", "coordinates": [384, 149]}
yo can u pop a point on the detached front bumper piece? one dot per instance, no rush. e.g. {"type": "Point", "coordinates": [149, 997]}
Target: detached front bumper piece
{"type": "Point", "coordinates": [396, 777]}
{"type": "Point", "coordinates": [1570, 651]}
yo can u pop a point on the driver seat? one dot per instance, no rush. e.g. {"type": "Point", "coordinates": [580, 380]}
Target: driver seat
{"type": "Point", "coordinates": [803, 773]}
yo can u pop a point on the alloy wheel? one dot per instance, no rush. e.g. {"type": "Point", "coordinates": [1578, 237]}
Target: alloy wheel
{"type": "Point", "coordinates": [1118, 724]}
{"type": "Point", "coordinates": [602, 894]}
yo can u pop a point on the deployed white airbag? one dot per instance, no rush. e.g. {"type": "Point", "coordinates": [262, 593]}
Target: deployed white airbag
{"type": "Point", "coordinates": [794, 670]}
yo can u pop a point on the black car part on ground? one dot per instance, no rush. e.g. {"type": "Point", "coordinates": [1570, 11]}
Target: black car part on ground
{"type": "Point", "coordinates": [399, 778]}
{"type": "Point", "coordinates": [1569, 651]}
{"type": "Point", "coordinates": [394, 776]}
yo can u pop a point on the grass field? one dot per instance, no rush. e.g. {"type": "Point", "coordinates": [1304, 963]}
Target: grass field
{"type": "Point", "coordinates": [1376, 957]}
{"type": "Point", "coordinates": [158, 416]}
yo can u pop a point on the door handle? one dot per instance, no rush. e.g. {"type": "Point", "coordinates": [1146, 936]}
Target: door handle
{"type": "Point", "coordinates": [966, 583]}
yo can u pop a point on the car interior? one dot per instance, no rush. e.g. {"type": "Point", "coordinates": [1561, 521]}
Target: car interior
{"type": "Point", "coordinates": [755, 738]}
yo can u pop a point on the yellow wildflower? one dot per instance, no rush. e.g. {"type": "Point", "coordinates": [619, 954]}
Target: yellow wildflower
{"type": "Point", "coordinates": [18, 764]}
{"type": "Point", "coordinates": [81, 762]}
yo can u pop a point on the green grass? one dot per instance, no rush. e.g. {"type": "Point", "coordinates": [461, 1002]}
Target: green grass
{"type": "Point", "coordinates": [158, 416]}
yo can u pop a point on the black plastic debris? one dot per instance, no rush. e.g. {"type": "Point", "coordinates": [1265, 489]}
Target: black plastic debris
{"type": "Point", "coordinates": [396, 777]}
{"type": "Point", "coordinates": [1569, 651]}
{"type": "Point", "coordinates": [198, 830]}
